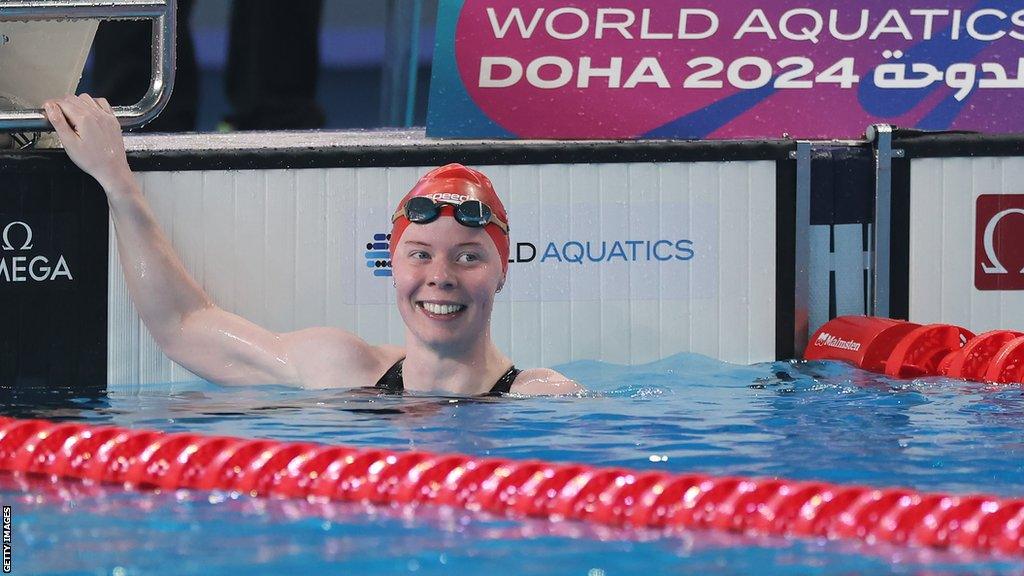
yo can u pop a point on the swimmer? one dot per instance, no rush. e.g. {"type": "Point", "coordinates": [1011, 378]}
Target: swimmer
{"type": "Point", "coordinates": [449, 255]}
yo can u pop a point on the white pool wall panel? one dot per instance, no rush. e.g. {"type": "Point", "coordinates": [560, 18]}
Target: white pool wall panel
{"type": "Point", "coordinates": [850, 260]}
{"type": "Point", "coordinates": [285, 249]}
{"type": "Point", "coordinates": [836, 272]}
{"type": "Point", "coordinates": [820, 265]}
{"type": "Point", "coordinates": [943, 199]}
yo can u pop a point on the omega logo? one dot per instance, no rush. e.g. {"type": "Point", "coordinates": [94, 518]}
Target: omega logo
{"type": "Point", "coordinates": [26, 245]}
{"type": "Point", "coordinates": [990, 250]}
{"type": "Point", "coordinates": [999, 242]}
{"type": "Point", "coordinates": [17, 237]}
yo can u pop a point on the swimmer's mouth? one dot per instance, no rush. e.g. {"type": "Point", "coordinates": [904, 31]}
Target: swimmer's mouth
{"type": "Point", "coordinates": [440, 309]}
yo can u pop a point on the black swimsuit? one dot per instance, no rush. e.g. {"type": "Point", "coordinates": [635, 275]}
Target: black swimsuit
{"type": "Point", "coordinates": [392, 380]}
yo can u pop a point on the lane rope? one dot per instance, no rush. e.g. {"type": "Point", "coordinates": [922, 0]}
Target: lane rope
{"type": "Point", "coordinates": [902, 349]}
{"type": "Point", "coordinates": [148, 459]}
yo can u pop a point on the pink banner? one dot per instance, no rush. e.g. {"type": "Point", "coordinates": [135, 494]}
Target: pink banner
{"type": "Point", "coordinates": [704, 69]}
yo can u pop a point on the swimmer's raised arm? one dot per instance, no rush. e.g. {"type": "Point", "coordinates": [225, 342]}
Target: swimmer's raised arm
{"type": "Point", "coordinates": [211, 342]}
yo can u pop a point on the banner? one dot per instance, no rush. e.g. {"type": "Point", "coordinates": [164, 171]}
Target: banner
{"type": "Point", "coordinates": [584, 69]}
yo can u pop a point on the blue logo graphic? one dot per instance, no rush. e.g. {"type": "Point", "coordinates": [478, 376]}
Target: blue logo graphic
{"type": "Point", "coordinates": [378, 258]}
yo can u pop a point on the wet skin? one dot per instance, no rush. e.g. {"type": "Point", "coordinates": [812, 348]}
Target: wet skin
{"type": "Point", "coordinates": [446, 264]}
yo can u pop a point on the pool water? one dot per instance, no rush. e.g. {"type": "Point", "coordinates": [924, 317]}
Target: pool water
{"type": "Point", "coordinates": [687, 413]}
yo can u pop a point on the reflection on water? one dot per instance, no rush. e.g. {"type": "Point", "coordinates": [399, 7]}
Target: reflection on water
{"type": "Point", "coordinates": [686, 413]}
{"type": "Point", "coordinates": [53, 403]}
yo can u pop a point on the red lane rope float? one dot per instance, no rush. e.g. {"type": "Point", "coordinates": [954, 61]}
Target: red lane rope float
{"type": "Point", "coordinates": [612, 496]}
{"type": "Point", "coordinates": [973, 360]}
{"type": "Point", "coordinates": [907, 350]}
{"type": "Point", "coordinates": [925, 350]}
{"type": "Point", "coordinates": [1008, 364]}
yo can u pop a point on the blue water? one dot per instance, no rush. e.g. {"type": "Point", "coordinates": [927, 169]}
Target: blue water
{"type": "Point", "coordinates": [820, 421]}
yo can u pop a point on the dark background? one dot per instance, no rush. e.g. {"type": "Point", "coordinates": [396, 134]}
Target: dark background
{"type": "Point", "coordinates": [352, 48]}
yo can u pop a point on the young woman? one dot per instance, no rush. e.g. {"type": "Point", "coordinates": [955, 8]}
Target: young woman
{"type": "Point", "coordinates": [450, 253]}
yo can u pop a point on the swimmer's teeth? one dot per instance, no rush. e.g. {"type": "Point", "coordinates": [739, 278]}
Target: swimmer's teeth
{"type": "Point", "coordinates": [441, 308]}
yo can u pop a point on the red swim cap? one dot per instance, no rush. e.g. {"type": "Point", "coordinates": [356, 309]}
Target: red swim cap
{"type": "Point", "coordinates": [455, 183]}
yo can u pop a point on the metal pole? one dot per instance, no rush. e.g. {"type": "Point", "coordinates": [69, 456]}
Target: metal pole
{"type": "Point", "coordinates": [881, 242]}
{"type": "Point", "coordinates": [801, 302]}
{"type": "Point", "coordinates": [414, 63]}
{"type": "Point", "coordinates": [161, 12]}
{"type": "Point", "coordinates": [81, 9]}
{"type": "Point", "coordinates": [401, 61]}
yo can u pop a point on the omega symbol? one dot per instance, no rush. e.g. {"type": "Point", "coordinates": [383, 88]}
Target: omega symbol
{"type": "Point", "coordinates": [996, 267]}
{"type": "Point", "coordinates": [27, 245]}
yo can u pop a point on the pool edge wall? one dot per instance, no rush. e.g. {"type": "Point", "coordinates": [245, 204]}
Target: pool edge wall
{"type": "Point", "coordinates": [53, 279]}
{"type": "Point", "coordinates": [947, 189]}
{"type": "Point", "coordinates": [280, 235]}
{"type": "Point", "coordinates": [74, 326]}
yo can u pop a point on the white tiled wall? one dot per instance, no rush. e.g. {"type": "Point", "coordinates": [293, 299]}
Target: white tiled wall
{"type": "Point", "coordinates": [943, 196]}
{"type": "Point", "coordinates": [286, 249]}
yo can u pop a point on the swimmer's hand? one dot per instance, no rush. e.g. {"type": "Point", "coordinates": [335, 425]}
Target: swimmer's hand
{"type": "Point", "coordinates": [91, 135]}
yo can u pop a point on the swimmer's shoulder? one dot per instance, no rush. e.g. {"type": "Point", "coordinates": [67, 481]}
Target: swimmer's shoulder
{"type": "Point", "coordinates": [328, 357]}
{"type": "Point", "coordinates": [544, 382]}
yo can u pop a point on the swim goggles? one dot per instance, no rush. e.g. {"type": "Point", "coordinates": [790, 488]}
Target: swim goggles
{"type": "Point", "coordinates": [471, 213]}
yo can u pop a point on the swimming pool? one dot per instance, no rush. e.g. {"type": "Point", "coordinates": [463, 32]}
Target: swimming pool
{"type": "Point", "coordinates": [816, 420]}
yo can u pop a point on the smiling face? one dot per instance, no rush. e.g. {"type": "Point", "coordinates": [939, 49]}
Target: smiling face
{"type": "Point", "coordinates": [446, 276]}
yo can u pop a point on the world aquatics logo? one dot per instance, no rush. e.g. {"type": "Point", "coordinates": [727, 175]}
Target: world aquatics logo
{"type": "Point", "coordinates": [378, 256]}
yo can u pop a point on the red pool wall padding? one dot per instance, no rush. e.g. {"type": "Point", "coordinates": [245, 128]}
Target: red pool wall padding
{"type": "Point", "coordinates": [907, 350]}
{"type": "Point", "coordinates": [615, 496]}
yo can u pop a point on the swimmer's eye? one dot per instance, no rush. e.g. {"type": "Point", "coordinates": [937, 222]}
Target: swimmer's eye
{"type": "Point", "coordinates": [469, 257]}
{"type": "Point", "coordinates": [419, 255]}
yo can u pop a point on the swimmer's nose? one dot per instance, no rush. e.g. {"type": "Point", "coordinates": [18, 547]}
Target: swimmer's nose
{"type": "Point", "coordinates": [441, 275]}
